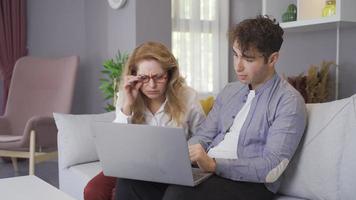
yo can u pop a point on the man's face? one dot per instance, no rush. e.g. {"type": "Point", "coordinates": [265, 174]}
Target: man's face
{"type": "Point", "coordinates": [251, 68]}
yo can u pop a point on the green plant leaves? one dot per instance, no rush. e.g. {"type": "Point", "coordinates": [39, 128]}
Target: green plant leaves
{"type": "Point", "coordinates": [113, 69]}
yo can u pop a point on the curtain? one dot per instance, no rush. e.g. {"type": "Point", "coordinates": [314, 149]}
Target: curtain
{"type": "Point", "coordinates": [12, 39]}
{"type": "Point", "coordinates": [196, 36]}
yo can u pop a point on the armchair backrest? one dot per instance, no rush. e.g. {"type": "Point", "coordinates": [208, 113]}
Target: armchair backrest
{"type": "Point", "coordinates": [39, 87]}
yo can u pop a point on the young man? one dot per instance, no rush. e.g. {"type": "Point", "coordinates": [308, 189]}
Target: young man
{"type": "Point", "coordinates": [253, 130]}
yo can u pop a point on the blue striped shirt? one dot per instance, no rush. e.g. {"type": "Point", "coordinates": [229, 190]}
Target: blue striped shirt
{"type": "Point", "coordinates": [269, 136]}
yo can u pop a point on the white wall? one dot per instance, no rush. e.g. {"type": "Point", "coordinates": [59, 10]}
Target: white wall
{"type": "Point", "coordinates": [300, 50]}
{"type": "Point", "coordinates": [239, 10]}
{"type": "Point", "coordinates": [92, 30]}
{"type": "Point", "coordinates": [95, 32]}
{"type": "Point", "coordinates": [153, 21]}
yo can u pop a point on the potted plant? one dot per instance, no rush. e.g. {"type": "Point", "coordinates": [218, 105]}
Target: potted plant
{"type": "Point", "coordinates": [110, 85]}
{"type": "Point", "coordinates": [313, 86]}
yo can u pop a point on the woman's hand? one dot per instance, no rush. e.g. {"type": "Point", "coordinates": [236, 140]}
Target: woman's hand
{"type": "Point", "coordinates": [197, 154]}
{"type": "Point", "coordinates": [132, 85]}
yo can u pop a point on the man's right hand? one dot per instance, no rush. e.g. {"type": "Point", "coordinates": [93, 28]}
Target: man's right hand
{"type": "Point", "coordinates": [197, 154]}
{"type": "Point", "coordinates": [132, 85]}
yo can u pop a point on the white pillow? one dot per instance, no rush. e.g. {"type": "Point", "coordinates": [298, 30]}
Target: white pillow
{"type": "Point", "coordinates": [75, 141]}
{"type": "Point", "coordinates": [348, 163]}
{"type": "Point", "coordinates": [318, 170]}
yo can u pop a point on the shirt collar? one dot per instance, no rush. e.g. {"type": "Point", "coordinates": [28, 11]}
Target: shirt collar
{"type": "Point", "coordinates": [160, 110]}
{"type": "Point", "coordinates": [267, 84]}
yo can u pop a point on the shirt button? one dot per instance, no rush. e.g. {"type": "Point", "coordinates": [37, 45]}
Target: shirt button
{"type": "Point", "coordinates": [233, 117]}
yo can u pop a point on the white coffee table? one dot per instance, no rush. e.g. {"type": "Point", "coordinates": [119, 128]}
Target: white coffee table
{"type": "Point", "coordinates": [29, 187]}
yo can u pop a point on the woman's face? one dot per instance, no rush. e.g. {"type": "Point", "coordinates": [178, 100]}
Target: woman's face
{"type": "Point", "coordinates": [154, 79]}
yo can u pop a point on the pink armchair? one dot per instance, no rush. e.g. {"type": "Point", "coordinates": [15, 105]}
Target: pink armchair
{"type": "Point", "coordinates": [38, 88]}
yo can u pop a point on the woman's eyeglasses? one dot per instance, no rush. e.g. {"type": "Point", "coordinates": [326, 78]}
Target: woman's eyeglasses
{"type": "Point", "coordinates": [157, 78]}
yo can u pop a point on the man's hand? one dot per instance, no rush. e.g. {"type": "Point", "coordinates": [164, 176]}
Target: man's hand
{"type": "Point", "coordinates": [197, 154]}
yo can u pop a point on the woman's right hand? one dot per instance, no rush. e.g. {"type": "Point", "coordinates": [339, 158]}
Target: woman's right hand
{"type": "Point", "coordinates": [132, 85]}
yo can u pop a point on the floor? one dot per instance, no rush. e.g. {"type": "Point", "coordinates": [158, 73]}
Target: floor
{"type": "Point", "coordinates": [47, 171]}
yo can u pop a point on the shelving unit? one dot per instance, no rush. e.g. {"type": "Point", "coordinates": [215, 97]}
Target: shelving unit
{"type": "Point", "coordinates": [309, 13]}
{"type": "Point", "coordinates": [309, 19]}
{"type": "Point", "coordinates": [326, 23]}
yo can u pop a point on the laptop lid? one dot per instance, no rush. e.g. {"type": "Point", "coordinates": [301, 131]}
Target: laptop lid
{"type": "Point", "coordinates": [143, 152]}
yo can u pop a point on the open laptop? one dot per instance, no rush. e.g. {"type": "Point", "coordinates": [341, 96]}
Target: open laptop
{"type": "Point", "coordinates": [143, 152]}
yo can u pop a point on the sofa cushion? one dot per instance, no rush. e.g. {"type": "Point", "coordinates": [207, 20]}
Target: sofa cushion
{"type": "Point", "coordinates": [207, 104]}
{"type": "Point", "coordinates": [75, 140]}
{"type": "Point", "coordinates": [72, 180]}
{"type": "Point", "coordinates": [347, 179]}
{"type": "Point", "coordinates": [324, 163]}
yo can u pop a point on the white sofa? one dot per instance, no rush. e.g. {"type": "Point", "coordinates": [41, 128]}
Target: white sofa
{"type": "Point", "coordinates": [324, 166]}
{"type": "Point", "coordinates": [77, 157]}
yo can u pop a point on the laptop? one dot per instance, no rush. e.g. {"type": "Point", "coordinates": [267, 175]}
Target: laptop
{"type": "Point", "coordinates": [143, 152]}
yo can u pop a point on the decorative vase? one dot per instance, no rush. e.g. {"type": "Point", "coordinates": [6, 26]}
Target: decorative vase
{"type": "Point", "coordinates": [290, 14]}
{"type": "Point", "coordinates": [329, 9]}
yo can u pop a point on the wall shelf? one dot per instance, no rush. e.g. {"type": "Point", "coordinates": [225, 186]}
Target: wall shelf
{"type": "Point", "coordinates": [309, 14]}
{"type": "Point", "coordinates": [309, 19]}
{"type": "Point", "coordinates": [329, 23]}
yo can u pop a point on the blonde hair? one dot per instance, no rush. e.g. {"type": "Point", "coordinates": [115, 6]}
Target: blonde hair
{"type": "Point", "coordinates": [175, 90]}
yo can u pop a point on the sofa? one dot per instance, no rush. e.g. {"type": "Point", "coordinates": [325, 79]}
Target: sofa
{"type": "Point", "coordinates": [323, 167]}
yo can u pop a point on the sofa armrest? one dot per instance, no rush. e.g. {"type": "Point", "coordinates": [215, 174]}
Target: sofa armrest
{"type": "Point", "coordinates": [46, 133]}
{"type": "Point", "coordinates": [4, 126]}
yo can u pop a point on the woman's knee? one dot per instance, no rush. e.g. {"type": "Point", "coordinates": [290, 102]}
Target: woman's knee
{"type": "Point", "coordinates": [92, 192]}
{"type": "Point", "coordinates": [124, 189]}
{"type": "Point", "coordinates": [124, 183]}
{"type": "Point", "coordinates": [99, 188]}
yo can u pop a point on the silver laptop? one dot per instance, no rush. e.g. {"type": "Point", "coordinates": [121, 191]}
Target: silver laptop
{"type": "Point", "coordinates": [143, 152]}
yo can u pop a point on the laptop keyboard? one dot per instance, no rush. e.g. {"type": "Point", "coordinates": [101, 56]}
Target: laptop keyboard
{"type": "Point", "coordinates": [197, 174]}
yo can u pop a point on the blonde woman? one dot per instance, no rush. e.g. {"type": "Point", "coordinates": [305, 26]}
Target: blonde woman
{"type": "Point", "coordinates": [152, 92]}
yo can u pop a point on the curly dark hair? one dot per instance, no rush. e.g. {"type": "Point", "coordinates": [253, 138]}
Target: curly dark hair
{"type": "Point", "coordinates": [262, 33]}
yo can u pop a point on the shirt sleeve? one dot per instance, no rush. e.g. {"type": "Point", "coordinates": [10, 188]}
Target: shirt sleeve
{"type": "Point", "coordinates": [196, 117]}
{"type": "Point", "coordinates": [121, 117]}
{"type": "Point", "coordinates": [282, 141]}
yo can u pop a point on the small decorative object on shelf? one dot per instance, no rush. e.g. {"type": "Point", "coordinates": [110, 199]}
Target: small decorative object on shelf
{"type": "Point", "coordinates": [329, 9]}
{"type": "Point", "coordinates": [290, 14]}
{"type": "Point", "coordinates": [315, 85]}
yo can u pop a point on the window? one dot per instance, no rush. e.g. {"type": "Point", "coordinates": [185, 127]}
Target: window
{"type": "Point", "coordinates": [199, 42]}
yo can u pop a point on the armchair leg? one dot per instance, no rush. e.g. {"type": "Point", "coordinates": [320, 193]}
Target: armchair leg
{"type": "Point", "coordinates": [32, 153]}
{"type": "Point", "coordinates": [14, 164]}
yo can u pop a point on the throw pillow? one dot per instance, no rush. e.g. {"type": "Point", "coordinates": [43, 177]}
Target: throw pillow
{"type": "Point", "coordinates": [318, 170]}
{"type": "Point", "coordinates": [75, 140]}
{"type": "Point", "coordinates": [207, 104]}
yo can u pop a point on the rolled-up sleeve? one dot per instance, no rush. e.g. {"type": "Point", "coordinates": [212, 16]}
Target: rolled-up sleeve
{"type": "Point", "coordinates": [282, 140]}
{"type": "Point", "coordinates": [196, 117]}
